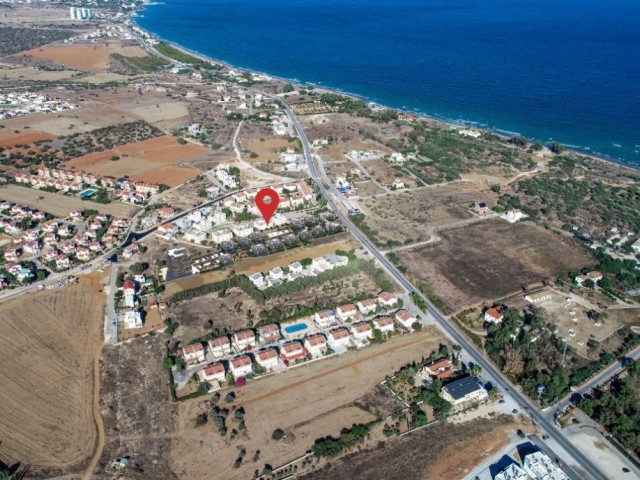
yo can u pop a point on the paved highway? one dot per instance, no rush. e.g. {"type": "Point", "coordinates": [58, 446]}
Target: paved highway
{"type": "Point", "coordinates": [585, 464]}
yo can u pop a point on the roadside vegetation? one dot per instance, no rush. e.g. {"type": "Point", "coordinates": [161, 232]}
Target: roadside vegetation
{"type": "Point", "coordinates": [172, 52]}
{"type": "Point", "coordinates": [528, 351]}
{"type": "Point", "coordinates": [616, 407]}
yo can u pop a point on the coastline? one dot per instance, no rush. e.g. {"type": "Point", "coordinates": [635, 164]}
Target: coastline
{"type": "Point", "coordinates": [421, 115]}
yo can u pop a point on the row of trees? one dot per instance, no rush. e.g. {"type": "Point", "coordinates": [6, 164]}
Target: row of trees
{"type": "Point", "coordinates": [297, 285]}
{"type": "Point", "coordinates": [332, 446]}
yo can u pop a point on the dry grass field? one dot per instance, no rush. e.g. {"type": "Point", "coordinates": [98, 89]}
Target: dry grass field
{"type": "Point", "coordinates": [48, 343]}
{"type": "Point", "coordinates": [269, 149]}
{"type": "Point", "coordinates": [406, 214]}
{"type": "Point", "coordinates": [81, 56]}
{"type": "Point", "coordinates": [440, 451]}
{"type": "Point", "coordinates": [155, 160]}
{"type": "Point", "coordinates": [160, 111]}
{"type": "Point", "coordinates": [32, 73]}
{"type": "Point", "coordinates": [128, 51]}
{"type": "Point", "coordinates": [60, 205]}
{"type": "Point", "coordinates": [489, 260]}
{"type": "Point", "coordinates": [307, 402]}
{"type": "Point", "coordinates": [385, 174]}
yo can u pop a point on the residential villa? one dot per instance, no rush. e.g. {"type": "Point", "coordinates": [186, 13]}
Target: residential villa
{"type": "Point", "coordinates": [384, 324]}
{"type": "Point", "coordinates": [340, 336]}
{"type": "Point", "coordinates": [267, 358]}
{"type": "Point", "coordinates": [345, 312]}
{"type": "Point", "coordinates": [440, 369]}
{"type": "Point", "coordinates": [244, 340]}
{"type": "Point", "coordinates": [405, 318]}
{"type": "Point", "coordinates": [361, 330]}
{"type": "Point", "coordinates": [594, 276]}
{"type": "Point", "coordinates": [193, 353]}
{"type": "Point", "coordinates": [493, 315]}
{"type": "Point", "coordinates": [269, 333]}
{"type": "Point", "coordinates": [219, 347]}
{"type": "Point", "coordinates": [213, 372]}
{"type": "Point", "coordinates": [368, 306]}
{"type": "Point", "coordinates": [387, 299]}
{"type": "Point", "coordinates": [316, 344]}
{"type": "Point", "coordinates": [512, 472]}
{"type": "Point", "coordinates": [241, 365]}
{"type": "Point", "coordinates": [324, 318]}
{"type": "Point", "coordinates": [463, 390]}
{"type": "Point", "coordinates": [292, 351]}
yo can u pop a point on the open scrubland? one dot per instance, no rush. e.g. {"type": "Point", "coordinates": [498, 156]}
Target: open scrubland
{"type": "Point", "coordinates": [60, 205]}
{"type": "Point", "coordinates": [409, 216]}
{"type": "Point", "coordinates": [440, 451]}
{"type": "Point", "coordinates": [489, 260]}
{"type": "Point", "coordinates": [49, 342]}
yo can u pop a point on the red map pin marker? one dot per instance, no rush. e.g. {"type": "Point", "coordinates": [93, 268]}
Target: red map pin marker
{"type": "Point", "coordinates": [267, 201]}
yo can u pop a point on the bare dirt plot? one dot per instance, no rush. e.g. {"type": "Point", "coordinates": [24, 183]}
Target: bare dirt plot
{"type": "Point", "coordinates": [48, 342]}
{"type": "Point", "coordinates": [572, 320]}
{"type": "Point", "coordinates": [75, 56]}
{"type": "Point", "coordinates": [10, 138]}
{"type": "Point", "coordinates": [153, 160]}
{"type": "Point", "coordinates": [268, 148]}
{"type": "Point", "coordinates": [440, 451]}
{"type": "Point", "coordinates": [161, 111]}
{"type": "Point", "coordinates": [384, 173]}
{"type": "Point", "coordinates": [368, 189]}
{"type": "Point", "coordinates": [60, 205]}
{"type": "Point", "coordinates": [406, 214]}
{"type": "Point", "coordinates": [307, 402]}
{"type": "Point", "coordinates": [488, 260]}
{"type": "Point", "coordinates": [138, 416]}
{"type": "Point", "coordinates": [248, 266]}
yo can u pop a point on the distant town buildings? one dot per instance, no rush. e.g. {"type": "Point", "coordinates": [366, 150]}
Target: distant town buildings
{"type": "Point", "coordinates": [79, 13]}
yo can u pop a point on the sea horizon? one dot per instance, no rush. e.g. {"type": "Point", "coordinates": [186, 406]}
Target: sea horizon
{"type": "Point", "coordinates": [610, 133]}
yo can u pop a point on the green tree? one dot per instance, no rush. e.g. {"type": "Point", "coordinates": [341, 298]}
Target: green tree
{"type": "Point", "coordinates": [278, 434]}
{"type": "Point", "coordinates": [556, 147]}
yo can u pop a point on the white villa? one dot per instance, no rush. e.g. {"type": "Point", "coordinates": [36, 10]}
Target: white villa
{"type": "Point", "coordinates": [241, 365]}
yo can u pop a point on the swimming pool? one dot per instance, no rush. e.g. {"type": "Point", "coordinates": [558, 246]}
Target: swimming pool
{"type": "Point", "coordinates": [86, 193]}
{"type": "Point", "coordinates": [296, 327]}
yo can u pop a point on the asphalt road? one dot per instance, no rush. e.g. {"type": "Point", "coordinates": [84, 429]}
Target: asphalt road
{"type": "Point", "coordinates": [538, 417]}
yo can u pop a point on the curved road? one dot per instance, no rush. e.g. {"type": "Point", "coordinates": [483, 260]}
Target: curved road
{"type": "Point", "coordinates": [488, 367]}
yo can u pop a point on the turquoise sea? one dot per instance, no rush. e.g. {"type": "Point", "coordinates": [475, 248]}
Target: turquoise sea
{"type": "Point", "coordinates": [567, 70]}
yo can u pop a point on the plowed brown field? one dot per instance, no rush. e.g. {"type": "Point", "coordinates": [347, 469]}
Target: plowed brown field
{"type": "Point", "coordinates": [48, 344]}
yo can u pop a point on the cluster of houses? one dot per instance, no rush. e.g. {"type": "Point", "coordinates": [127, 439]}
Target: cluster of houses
{"type": "Point", "coordinates": [272, 348]}
{"type": "Point", "coordinates": [56, 243]}
{"type": "Point", "coordinates": [26, 103]}
{"type": "Point", "coordinates": [281, 125]}
{"type": "Point", "coordinates": [363, 155]}
{"type": "Point", "coordinates": [75, 181]}
{"type": "Point", "coordinates": [292, 195]}
{"type": "Point", "coordinates": [277, 275]}
{"type": "Point", "coordinates": [594, 276]}
{"type": "Point", "coordinates": [16, 213]}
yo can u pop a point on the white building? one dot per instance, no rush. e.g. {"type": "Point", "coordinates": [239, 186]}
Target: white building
{"type": "Point", "coordinates": [257, 279]}
{"type": "Point", "coordinates": [219, 347]}
{"type": "Point", "coordinates": [361, 330]}
{"type": "Point", "coordinates": [324, 318]}
{"type": "Point", "coordinates": [512, 472]}
{"type": "Point", "coordinates": [240, 366]}
{"type": "Point", "coordinates": [214, 372]}
{"type": "Point", "coordinates": [463, 390]}
{"type": "Point", "coordinates": [405, 318]}
{"type": "Point", "coordinates": [340, 337]}
{"type": "Point", "coordinates": [316, 344]}
{"type": "Point", "coordinates": [368, 305]}
{"type": "Point", "coordinates": [242, 230]}
{"type": "Point", "coordinates": [221, 236]}
{"type": "Point", "coordinates": [193, 353]}
{"type": "Point", "coordinates": [384, 324]}
{"type": "Point", "coordinates": [245, 339]}
{"type": "Point", "coordinates": [540, 467]}
{"type": "Point", "coordinates": [267, 358]}
{"type": "Point", "coordinates": [344, 312]}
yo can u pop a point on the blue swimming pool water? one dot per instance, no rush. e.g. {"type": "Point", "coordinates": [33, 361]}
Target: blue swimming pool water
{"type": "Point", "coordinates": [86, 193]}
{"type": "Point", "coordinates": [298, 327]}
